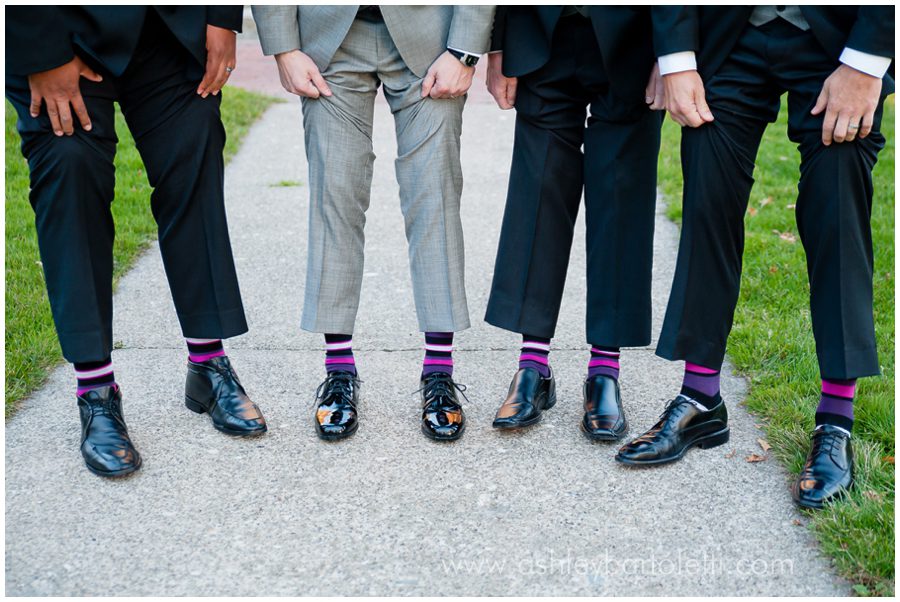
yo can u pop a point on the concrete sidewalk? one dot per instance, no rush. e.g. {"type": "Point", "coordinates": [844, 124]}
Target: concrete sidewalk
{"type": "Point", "coordinates": [387, 511]}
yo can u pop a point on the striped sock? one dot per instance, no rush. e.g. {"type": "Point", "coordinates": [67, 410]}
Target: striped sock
{"type": "Point", "coordinates": [701, 384]}
{"type": "Point", "coordinates": [93, 375]}
{"type": "Point", "coordinates": [836, 404]}
{"type": "Point", "coordinates": [535, 354]}
{"type": "Point", "coordinates": [202, 350]}
{"type": "Point", "coordinates": [438, 353]}
{"type": "Point", "coordinates": [605, 361]}
{"type": "Point", "coordinates": [339, 353]}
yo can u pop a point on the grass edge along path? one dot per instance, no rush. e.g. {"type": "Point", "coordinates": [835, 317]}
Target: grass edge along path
{"type": "Point", "coordinates": [32, 349]}
{"type": "Point", "coordinates": [772, 346]}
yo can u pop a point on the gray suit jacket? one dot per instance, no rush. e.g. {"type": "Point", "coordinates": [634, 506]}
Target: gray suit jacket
{"type": "Point", "coordinates": [421, 33]}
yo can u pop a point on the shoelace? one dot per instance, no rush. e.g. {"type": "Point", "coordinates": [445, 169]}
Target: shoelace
{"type": "Point", "coordinates": [825, 441]}
{"type": "Point", "coordinates": [337, 384]}
{"type": "Point", "coordinates": [441, 388]}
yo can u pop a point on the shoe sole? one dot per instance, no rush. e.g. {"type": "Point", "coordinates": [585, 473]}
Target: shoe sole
{"type": "Point", "coordinates": [115, 473]}
{"type": "Point", "coordinates": [707, 442]}
{"type": "Point", "coordinates": [604, 437]}
{"type": "Point", "coordinates": [505, 426]}
{"type": "Point", "coordinates": [199, 408]}
{"type": "Point", "coordinates": [434, 437]}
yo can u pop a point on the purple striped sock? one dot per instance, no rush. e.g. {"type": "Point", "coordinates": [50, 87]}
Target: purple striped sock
{"type": "Point", "coordinates": [535, 354]}
{"type": "Point", "coordinates": [605, 361]}
{"type": "Point", "coordinates": [203, 350]}
{"type": "Point", "coordinates": [836, 403]}
{"type": "Point", "coordinates": [701, 384]}
{"type": "Point", "coordinates": [93, 375]}
{"type": "Point", "coordinates": [339, 353]}
{"type": "Point", "coordinates": [438, 353]}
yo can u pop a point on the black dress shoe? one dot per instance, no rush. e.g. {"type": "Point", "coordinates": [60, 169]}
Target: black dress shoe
{"type": "Point", "coordinates": [336, 400]}
{"type": "Point", "coordinates": [529, 395]}
{"type": "Point", "coordinates": [442, 415]}
{"type": "Point", "coordinates": [683, 425]}
{"type": "Point", "coordinates": [604, 419]}
{"type": "Point", "coordinates": [828, 471]}
{"type": "Point", "coordinates": [105, 445]}
{"type": "Point", "coordinates": [213, 387]}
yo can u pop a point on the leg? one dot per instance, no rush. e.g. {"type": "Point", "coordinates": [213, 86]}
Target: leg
{"type": "Point", "coordinates": [338, 133]}
{"type": "Point", "coordinates": [180, 138]}
{"type": "Point", "coordinates": [72, 187]}
{"type": "Point", "coordinates": [621, 148]}
{"type": "Point", "coordinates": [545, 188]}
{"type": "Point", "coordinates": [430, 179]}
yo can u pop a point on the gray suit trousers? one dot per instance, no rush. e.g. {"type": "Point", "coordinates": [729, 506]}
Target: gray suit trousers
{"type": "Point", "coordinates": [338, 133]}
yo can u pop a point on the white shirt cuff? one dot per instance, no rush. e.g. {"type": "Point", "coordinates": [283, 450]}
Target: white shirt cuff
{"type": "Point", "coordinates": [677, 61]}
{"type": "Point", "coordinates": [872, 64]}
{"type": "Point", "coordinates": [478, 54]}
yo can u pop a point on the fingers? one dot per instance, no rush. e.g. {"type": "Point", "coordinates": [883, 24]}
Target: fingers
{"type": "Point", "coordinates": [511, 85]}
{"type": "Point", "coordinates": [828, 127]}
{"type": "Point", "coordinates": [868, 122]}
{"type": "Point", "coordinates": [35, 108]}
{"type": "Point", "coordinates": [658, 102]}
{"type": "Point", "coordinates": [81, 113]}
{"type": "Point", "coordinates": [650, 91]}
{"type": "Point", "coordinates": [428, 83]}
{"type": "Point", "coordinates": [208, 78]}
{"type": "Point", "coordinates": [703, 108]}
{"type": "Point", "coordinates": [88, 73]}
{"type": "Point", "coordinates": [65, 116]}
{"type": "Point", "coordinates": [841, 128]}
{"type": "Point", "coordinates": [53, 113]}
{"type": "Point", "coordinates": [219, 82]}
{"type": "Point", "coordinates": [308, 89]}
{"type": "Point", "coordinates": [320, 83]}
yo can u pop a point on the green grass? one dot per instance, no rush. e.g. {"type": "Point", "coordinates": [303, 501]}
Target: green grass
{"type": "Point", "coordinates": [772, 345]}
{"type": "Point", "coordinates": [31, 345]}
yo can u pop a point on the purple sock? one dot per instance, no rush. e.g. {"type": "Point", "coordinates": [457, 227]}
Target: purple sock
{"type": "Point", "coordinates": [93, 375]}
{"type": "Point", "coordinates": [438, 353]}
{"type": "Point", "coordinates": [605, 361]}
{"type": "Point", "coordinates": [339, 353]}
{"type": "Point", "coordinates": [836, 403]}
{"type": "Point", "coordinates": [701, 384]}
{"type": "Point", "coordinates": [202, 350]}
{"type": "Point", "coordinates": [535, 354]}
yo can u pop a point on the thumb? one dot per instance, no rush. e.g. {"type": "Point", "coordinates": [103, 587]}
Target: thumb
{"type": "Point", "coordinates": [428, 83]}
{"type": "Point", "coordinates": [88, 73]}
{"type": "Point", "coordinates": [821, 102]}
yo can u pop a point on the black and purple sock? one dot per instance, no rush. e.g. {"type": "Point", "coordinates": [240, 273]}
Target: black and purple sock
{"type": "Point", "coordinates": [203, 350]}
{"type": "Point", "coordinates": [605, 361]}
{"type": "Point", "coordinates": [438, 353]}
{"type": "Point", "coordinates": [701, 384]}
{"type": "Point", "coordinates": [339, 353]}
{"type": "Point", "coordinates": [535, 354]}
{"type": "Point", "coordinates": [836, 404]}
{"type": "Point", "coordinates": [93, 375]}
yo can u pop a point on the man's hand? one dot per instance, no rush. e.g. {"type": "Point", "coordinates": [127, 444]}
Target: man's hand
{"type": "Point", "coordinates": [299, 75]}
{"type": "Point", "coordinates": [59, 88]}
{"type": "Point", "coordinates": [220, 60]}
{"type": "Point", "coordinates": [447, 78]}
{"type": "Point", "coordinates": [502, 88]}
{"type": "Point", "coordinates": [655, 93]}
{"type": "Point", "coordinates": [849, 99]}
{"type": "Point", "coordinates": [686, 98]}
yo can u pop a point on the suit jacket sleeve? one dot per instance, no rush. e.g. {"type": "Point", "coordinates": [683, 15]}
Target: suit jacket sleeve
{"type": "Point", "coordinates": [226, 17]}
{"type": "Point", "coordinates": [278, 28]}
{"type": "Point", "coordinates": [37, 39]}
{"type": "Point", "coordinates": [499, 29]}
{"type": "Point", "coordinates": [470, 29]}
{"type": "Point", "coordinates": [675, 29]}
{"type": "Point", "coordinates": [873, 31]}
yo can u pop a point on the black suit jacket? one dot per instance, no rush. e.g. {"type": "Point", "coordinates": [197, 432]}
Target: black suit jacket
{"type": "Point", "coordinates": [712, 31]}
{"type": "Point", "coordinates": [624, 33]}
{"type": "Point", "coordinates": [39, 38]}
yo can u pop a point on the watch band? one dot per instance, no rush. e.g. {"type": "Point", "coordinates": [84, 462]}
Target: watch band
{"type": "Point", "coordinates": [469, 60]}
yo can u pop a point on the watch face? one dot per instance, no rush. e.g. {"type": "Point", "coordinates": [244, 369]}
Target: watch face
{"type": "Point", "coordinates": [470, 61]}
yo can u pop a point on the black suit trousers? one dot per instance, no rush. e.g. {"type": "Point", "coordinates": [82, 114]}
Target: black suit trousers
{"type": "Point", "coordinates": [616, 170]}
{"type": "Point", "coordinates": [833, 206]}
{"type": "Point", "coordinates": [180, 138]}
